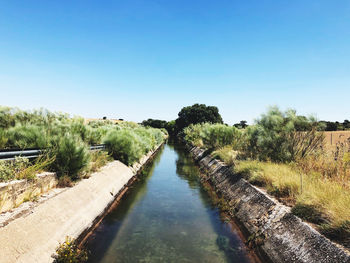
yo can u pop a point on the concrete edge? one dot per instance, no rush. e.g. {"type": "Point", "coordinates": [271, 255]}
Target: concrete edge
{"type": "Point", "coordinates": [34, 238]}
{"type": "Point", "coordinates": [136, 168]}
{"type": "Point", "coordinates": [276, 232]}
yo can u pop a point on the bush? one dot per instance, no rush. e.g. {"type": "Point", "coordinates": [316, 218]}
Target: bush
{"type": "Point", "coordinates": [71, 156]}
{"type": "Point", "coordinates": [3, 139]}
{"type": "Point", "coordinates": [22, 168]}
{"type": "Point", "coordinates": [124, 145]}
{"type": "Point", "coordinates": [68, 252]}
{"type": "Point", "coordinates": [29, 136]}
{"type": "Point", "coordinates": [282, 137]}
{"type": "Point", "coordinates": [212, 136]}
{"type": "Point", "coordinates": [67, 139]}
{"type": "Point", "coordinates": [218, 135]}
{"type": "Point", "coordinates": [130, 144]}
{"type": "Point", "coordinates": [9, 169]}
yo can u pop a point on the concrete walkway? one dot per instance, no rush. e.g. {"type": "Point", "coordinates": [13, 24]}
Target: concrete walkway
{"type": "Point", "coordinates": [34, 238]}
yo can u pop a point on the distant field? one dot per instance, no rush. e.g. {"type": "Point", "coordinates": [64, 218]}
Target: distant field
{"type": "Point", "coordinates": [87, 120]}
{"type": "Point", "coordinates": [334, 137]}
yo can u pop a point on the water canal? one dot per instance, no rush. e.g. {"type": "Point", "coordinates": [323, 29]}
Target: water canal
{"type": "Point", "coordinates": [167, 216]}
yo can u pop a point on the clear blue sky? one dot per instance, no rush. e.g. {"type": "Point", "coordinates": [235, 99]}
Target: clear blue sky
{"type": "Point", "coordinates": [139, 59]}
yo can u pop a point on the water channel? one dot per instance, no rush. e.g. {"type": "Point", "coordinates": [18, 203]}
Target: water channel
{"type": "Point", "coordinates": [167, 216]}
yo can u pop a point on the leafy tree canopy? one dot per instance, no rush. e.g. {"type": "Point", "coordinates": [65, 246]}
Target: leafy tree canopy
{"type": "Point", "coordinates": [155, 123]}
{"type": "Point", "coordinates": [197, 113]}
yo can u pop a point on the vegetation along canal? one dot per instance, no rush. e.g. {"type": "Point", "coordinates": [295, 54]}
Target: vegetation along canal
{"type": "Point", "coordinates": [167, 216]}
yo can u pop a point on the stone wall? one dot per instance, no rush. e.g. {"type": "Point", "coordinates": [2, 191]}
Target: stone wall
{"type": "Point", "coordinates": [276, 232]}
{"type": "Point", "coordinates": [13, 193]}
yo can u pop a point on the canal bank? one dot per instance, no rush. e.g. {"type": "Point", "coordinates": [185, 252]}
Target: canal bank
{"type": "Point", "coordinates": [35, 236]}
{"type": "Point", "coordinates": [168, 216]}
{"type": "Point", "coordinates": [271, 227]}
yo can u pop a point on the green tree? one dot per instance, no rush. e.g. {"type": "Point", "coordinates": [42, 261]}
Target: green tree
{"type": "Point", "coordinates": [171, 127]}
{"type": "Point", "coordinates": [197, 113]}
{"type": "Point", "coordinates": [241, 125]}
{"type": "Point", "coordinates": [283, 136]}
{"type": "Point", "coordinates": [155, 123]}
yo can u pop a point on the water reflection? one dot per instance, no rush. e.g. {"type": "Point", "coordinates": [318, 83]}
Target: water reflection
{"type": "Point", "coordinates": [166, 217]}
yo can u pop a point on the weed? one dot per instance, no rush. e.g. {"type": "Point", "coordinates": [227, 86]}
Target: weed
{"type": "Point", "coordinates": [68, 252]}
{"type": "Point", "coordinates": [65, 181]}
{"type": "Point", "coordinates": [226, 154]}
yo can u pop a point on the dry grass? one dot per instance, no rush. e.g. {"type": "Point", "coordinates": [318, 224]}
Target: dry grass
{"type": "Point", "coordinates": [97, 160]}
{"type": "Point", "coordinates": [115, 121]}
{"type": "Point", "coordinates": [332, 138]}
{"type": "Point", "coordinates": [226, 154]}
{"type": "Point", "coordinates": [318, 199]}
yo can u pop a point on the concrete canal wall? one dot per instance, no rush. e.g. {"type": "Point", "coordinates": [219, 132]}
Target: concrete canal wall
{"type": "Point", "coordinates": [277, 233]}
{"type": "Point", "coordinates": [35, 236]}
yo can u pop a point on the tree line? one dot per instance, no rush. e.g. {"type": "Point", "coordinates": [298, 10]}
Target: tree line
{"type": "Point", "coordinates": [201, 113]}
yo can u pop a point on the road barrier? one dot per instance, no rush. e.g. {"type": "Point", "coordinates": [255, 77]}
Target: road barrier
{"type": "Point", "coordinates": [11, 154]}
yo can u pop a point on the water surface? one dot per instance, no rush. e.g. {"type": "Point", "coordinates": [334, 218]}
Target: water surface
{"type": "Point", "coordinates": [167, 216]}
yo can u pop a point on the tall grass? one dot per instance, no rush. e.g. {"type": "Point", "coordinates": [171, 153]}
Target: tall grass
{"type": "Point", "coordinates": [314, 197]}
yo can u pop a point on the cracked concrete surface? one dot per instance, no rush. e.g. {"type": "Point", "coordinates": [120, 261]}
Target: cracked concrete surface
{"type": "Point", "coordinates": [286, 238]}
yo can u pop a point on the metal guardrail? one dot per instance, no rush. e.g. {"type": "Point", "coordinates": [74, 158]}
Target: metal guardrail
{"type": "Point", "coordinates": [34, 153]}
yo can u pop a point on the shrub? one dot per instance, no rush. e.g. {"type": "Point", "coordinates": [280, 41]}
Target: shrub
{"type": "Point", "coordinates": [93, 136]}
{"type": "Point", "coordinates": [124, 145]}
{"type": "Point", "coordinates": [282, 137]}
{"type": "Point", "coordinates": [146, 139]}
{"type": "Point", "coordinates": [22, 168]}
{"type": "Point", "coordinates": [3, 139]}
{"type": "Point", "coordinates": [66, 139]}
{"type": "Point", "coordinates": [212, 136]}
{"type": "Point", "coordinates": [218, 135]}
{"type": "Point", "coordinates": [68, 252]}
{"type": "Point", "coordinates": [130, 144]}
{"type": "Point", "coordinates": [9, 169]}
{"type": "Point", "coordinates": [193, 135]}
{"type": "Point", "coordinates": [71, 156]}
{"type": "Point", "coordinates": [29, 136]}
